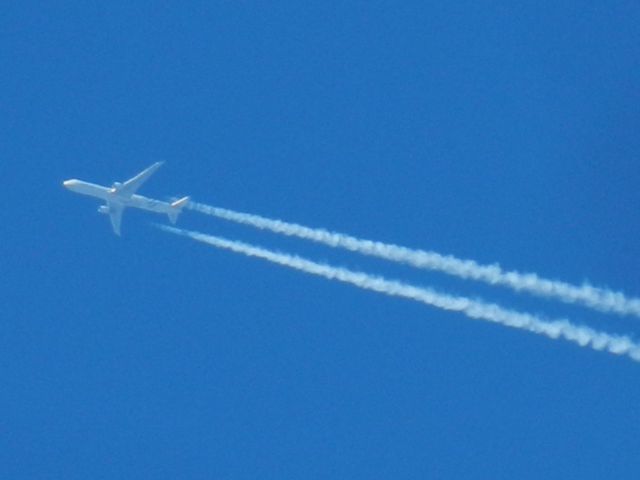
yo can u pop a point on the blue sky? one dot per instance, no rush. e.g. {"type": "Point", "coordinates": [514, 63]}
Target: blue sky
{"type": "Point", "coordinates": [498, 131]}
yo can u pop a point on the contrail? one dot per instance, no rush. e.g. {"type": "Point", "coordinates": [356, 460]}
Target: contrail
{"type": "Point", "coordinates": [600, 299]}
{"type": "Point", "coordinates": [583, 336]}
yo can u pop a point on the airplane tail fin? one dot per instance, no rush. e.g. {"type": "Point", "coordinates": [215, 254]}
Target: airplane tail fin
{"type": "Point", "coordinates": [176, 208]}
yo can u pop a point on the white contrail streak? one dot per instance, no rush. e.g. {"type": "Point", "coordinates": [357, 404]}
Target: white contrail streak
{"type": "Point", "coordinates": [583, 336]}
{"type": "Point", "coordinates": [600, 299]}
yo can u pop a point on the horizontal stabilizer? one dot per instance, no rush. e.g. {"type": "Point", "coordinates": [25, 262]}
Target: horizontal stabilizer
{"type": "Point", "coordinates": [176, 208]}
{"type": "Point", "coordinates": [180, 203]}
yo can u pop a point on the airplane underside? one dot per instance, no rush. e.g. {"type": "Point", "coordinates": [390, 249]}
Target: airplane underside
{"type": "Point", "coordinates": [122, 195]}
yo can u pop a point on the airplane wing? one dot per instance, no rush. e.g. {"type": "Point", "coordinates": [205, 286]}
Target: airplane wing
{"type": "Point", "coordinates": [130, 186]}
{"type": "Point", "coordinates": [115, 214]}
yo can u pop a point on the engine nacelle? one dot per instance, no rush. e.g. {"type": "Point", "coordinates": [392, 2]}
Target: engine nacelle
{"type": "Point", "coordinates": [103, 209]}
{"type": "Point", "coordinates": [115, 188]}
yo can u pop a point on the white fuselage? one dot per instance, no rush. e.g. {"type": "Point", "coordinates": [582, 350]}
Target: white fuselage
{"type": "Point", "coordinates": [122, 195]}
{"type": "Point", "coordinates": [114, 197]}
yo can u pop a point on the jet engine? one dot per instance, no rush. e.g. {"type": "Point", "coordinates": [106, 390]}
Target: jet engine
{"type": "Point", "coordinates": [103, 209]}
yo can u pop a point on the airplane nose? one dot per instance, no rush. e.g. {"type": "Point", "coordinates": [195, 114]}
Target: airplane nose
{"type": "Point", "coordinates": [67, 183]}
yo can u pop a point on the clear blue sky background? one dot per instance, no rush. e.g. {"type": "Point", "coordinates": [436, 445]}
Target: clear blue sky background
{"type": "Point", "coordinates": [499, 131]}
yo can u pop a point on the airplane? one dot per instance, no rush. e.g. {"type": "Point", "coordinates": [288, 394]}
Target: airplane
{"type": "Point", "coordinates": [122, 195]}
